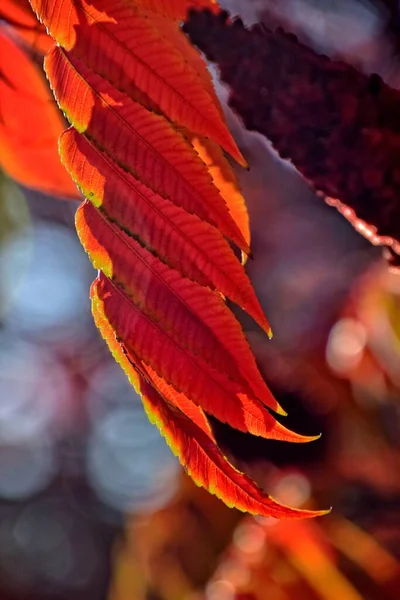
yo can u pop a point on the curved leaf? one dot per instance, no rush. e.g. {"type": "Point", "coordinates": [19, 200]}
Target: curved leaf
{"type": "Point", "coordinates": [188, 433]}
{"type": "Point", "coordinates": [192, 314]}
{"type": "Point", "coordinates": [181, 240]}
{"type": "Point", "coordinates": [169, 362]}
{"type": "Point", "coordinates": [136, 93]}
{"type": "Point", "coordinates": [119, 42]}
{"type": "Point", "coordinates": [30, 124]}
{"type": "Point", "coordinates": [139, 140]}
{"type": "Point", "coordinates": [198, 453]}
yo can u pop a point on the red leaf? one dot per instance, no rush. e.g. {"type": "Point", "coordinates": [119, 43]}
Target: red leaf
{"type": "Point", "coordinates": [19, 15]}
{"type": "Point", "coordinates": [171, 30]}
{"type": "Point", "coordinates": [225, 180]}
{"type": "Point", "coordinates": [198, 453]}
{"type": "Point", "coordinates": [156, 217]}
{"type": "Point", "coordinates": [178, 238]}
{"type": "Point", "coordinates": [139, 140]}
{"type": "Point", "coordinates": [187, 432]}
{"type": "Point", "coordinates": [120, 42]}
{"type": "Point", "coordinates": [150, 339]}
{"type": "Point", "coordinates": [202, 321]}
{"type": "Point", "coordinates": [30, 124]}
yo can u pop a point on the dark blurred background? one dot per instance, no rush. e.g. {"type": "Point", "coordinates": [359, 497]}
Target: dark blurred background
{"type": "Point", "coordinates": [92, 503]}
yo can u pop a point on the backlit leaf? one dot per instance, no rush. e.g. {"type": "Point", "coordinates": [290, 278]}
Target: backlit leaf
{"type": "Point", "coordinates": [139, 140]}
{"type": "Point", "coordinates": [145, 149]}
{"type": "Point", "coordinates": [181, 240]}
{"type": "Point", "coordinates": [225, 180]}
{"type": "Point", "coordinates": [200, 319]}
{"type": "Point", "coordinates": [197, 451]}
{"type": "Point", "coordinates": [30, 124]}
{"type": "Point", "coordinates": [187, 432]}
{"type": "Point", "coordinates": [120, 42]}
{"type": "Point", "coordinates": [19, 15]}
{"type": "Point", "coordinates": [147, 340]}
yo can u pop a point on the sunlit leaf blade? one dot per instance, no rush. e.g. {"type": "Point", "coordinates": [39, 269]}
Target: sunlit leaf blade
{"type": "Point", "coordinates": [173, 32]}
{"type": "Point", "coordinates": [193, 314]}
{"type": "Point", "coordinates": [138, 97]}
{"type": "Point", "coordinates": [19, 15]}
{"type": "Point", "coordinates": [263, 425]}
{"type": "Point", "coordinates": [150, 342]}
{"type": "Point", "coordinates": [139, 140]}
{"type": "Point", "coordinates": [205, 463]}
{"type": "Point", "coordinates": [189, 436]}
{"type": "Point", "coordinates": [225, 180]}
{"type": "Point", "coordinates": [30, 124]}
{"type": "Point", "coordinates": [120, 42]}
{"type": "Point", "coordinates": [181, 240]}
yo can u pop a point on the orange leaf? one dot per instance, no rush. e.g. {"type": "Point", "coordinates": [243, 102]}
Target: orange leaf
{"type": "Point", "coordinates": [187, 432]}
{"type": "Point", "coordinates": [30, 124]}
{"type": "Point", "coordinates": [225, 180]}
{"type": "Point", "coordinates": [150, 331]}
{"type": "Point", "coordinates": [203, 321]}
{"type": "Point", "coordinates": [138, 140]}
{"type": "Point", "coordinates": [181, 240]}
{"type": "Point", "coordinates": [120, 42]}
{"type": "Point", "coordinates": [243, 415]}
{"type": "Point", "coordinates": [135, 91]}
{"type": "Point", "coordinates": [19, 15]}
{"type": "Point", "coordinates": [172, 31]}
{"type": "Point", "coordinates": [208, 467]}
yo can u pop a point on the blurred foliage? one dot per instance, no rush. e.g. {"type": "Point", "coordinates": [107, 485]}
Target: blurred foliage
{"type": "Point", "coordinates": [93, 506]}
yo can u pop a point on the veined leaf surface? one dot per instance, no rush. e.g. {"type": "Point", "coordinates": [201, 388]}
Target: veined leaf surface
{"type": "Point", "coordinates": [225, 181]}
{"type": "Point", "coordinates": [188, 433]}
{"type": "Point", "coordinates": [155, 227]}
{"type": "Point", "coordinates": [120, 42]}
{"type": "Point", "coordinates": [198, 452]}
{"type": "Point", "coordinates": [149, 341]}
{"type": "Point", "coordinates": [181, 240]}
{"type": "Point", "coordinates": [139, 140]}
{"type": "Point", "coordinates": [193, 315]}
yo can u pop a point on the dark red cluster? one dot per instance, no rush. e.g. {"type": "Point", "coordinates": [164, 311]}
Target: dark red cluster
{"type": "Point", "coordinates": [339, 127]}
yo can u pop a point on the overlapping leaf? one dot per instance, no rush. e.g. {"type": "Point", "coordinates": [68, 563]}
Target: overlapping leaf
{"type": "Point", "coordinates": [187, 432]}
{"type": "Point", "coordinates": [30, 123]}
{"type": "Point", "coordinates": [224, 179]}
{"type": "Point", "coordinates": [181, 239]}
{"type": "Point", "coordinates": [178, 327]}
{"type": "Point", "coordinates": [116, 39]}
{"type": "Point", "coordinates": [162, 198]}
{"type": "Point", "coordinates": [139, 140]}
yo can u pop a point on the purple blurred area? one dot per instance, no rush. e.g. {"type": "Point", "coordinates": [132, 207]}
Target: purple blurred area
{"type": "Point", "coordinates": [76, 449]}
{"type": "Point", "coordinates": [77, 453]}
